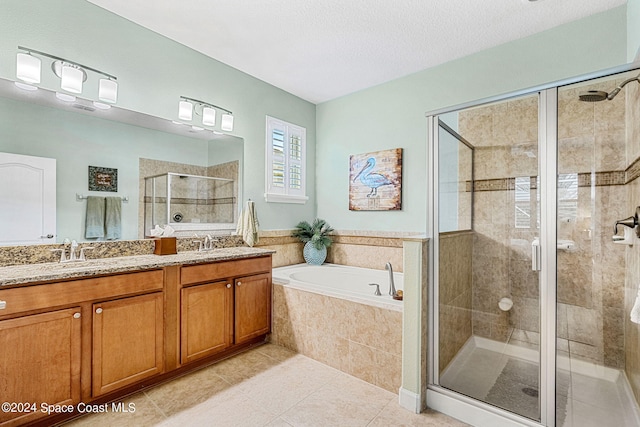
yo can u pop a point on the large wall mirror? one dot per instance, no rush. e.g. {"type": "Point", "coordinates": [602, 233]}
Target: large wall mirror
{"type": "Point", "coordinates": [78, 135]}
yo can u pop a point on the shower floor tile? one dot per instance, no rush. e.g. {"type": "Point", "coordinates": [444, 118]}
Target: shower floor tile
{"type": "Point", "coordinates": [590, 401]}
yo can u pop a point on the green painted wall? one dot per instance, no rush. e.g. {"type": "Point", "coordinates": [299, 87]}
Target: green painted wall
{"type": "Point", "coordinates": [153, 72]}
{"type": "Point", "coordinates": [393, 114]}
{"type": "Point", "coordinates": [633, 30]}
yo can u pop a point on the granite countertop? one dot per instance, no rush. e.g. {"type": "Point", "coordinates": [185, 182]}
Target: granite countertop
{"type": "Point", "coordinates": [46, 272]}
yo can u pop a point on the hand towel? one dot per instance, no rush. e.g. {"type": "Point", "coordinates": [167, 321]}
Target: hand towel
{"type": "Point", "coordinates": [94, 223]}
{"type": "Point", "coordinates": [635, 311]}
{"type": "Point", "coordinates": [113, 218]}
{"type": "Point", "coordinates": [248, 224]}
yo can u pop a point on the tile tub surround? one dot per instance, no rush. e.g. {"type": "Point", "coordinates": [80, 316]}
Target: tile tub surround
{"type": "Point", "coordinates": [367, 249]}
{"type": "Point", "coordinates": [266, 386]}
{"type": "Point", "coordinates": [32, 273]}
{"type": "Point", "coordinates": [358, 339]}
{"type": "Point", "coordinates": [36, 254]}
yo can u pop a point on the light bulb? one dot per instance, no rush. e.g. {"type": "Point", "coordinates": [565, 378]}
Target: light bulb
{"type": "Point", "coordinates": [71, 78]}
{"type": "Point", "coordinates": [28, 68]}
{"type": "Point", "coordinates": [185, 110]}
{"type": "Point", "coordinates": [108, 91]}
{"type": "Point", "coordinates": [208, 116]}
{"type": "Point", "coordinates": [227, 122]}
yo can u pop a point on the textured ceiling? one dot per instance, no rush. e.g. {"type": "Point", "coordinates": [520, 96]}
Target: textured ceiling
{"type": "Point", "coordinates": [323, 49]}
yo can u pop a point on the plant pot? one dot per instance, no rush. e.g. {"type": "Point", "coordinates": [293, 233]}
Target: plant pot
{"type": "Point", "coordinates": [312, 255]}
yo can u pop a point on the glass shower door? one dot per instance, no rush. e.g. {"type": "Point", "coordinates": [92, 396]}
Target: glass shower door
{"type": "Point", "coordinates": [597, 275]}
{"type": "Point", "coordinates": [488, 228]}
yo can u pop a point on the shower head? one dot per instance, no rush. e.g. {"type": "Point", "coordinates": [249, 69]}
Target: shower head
{"type": "Point", "coordinates": [599, 95]}
{"type": "Point", "coordinates": [593, 96]}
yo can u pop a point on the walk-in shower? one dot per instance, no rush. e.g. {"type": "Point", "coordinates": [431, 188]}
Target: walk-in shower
{"type": "Point", "coordinates": [530, 292]}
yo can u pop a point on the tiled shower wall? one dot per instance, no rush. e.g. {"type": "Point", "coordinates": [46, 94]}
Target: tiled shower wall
{"type": "Point", "coordinates": [455, 274]}
{"type": "Point", "coordinates": [632, 330]}
{"type": "Point", "coordinates": [591, 274]}
{"type": "Point", "coordinates": [505, 138]}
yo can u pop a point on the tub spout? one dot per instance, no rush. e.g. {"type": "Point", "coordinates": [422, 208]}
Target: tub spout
{"type": "Point", "coordinates": [392, 286]}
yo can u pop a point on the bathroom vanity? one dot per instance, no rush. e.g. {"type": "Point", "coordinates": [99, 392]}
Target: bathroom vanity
{"type": "Point", "coordinates": [71, 333]}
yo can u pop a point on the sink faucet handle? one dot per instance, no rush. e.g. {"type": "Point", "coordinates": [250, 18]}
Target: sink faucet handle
{"type": "Point", "coordinates": [82, 250]}
{"type": "Point", "coordinates": [63, 256]}
{"type": "Point", "coordinates": [199, 242]}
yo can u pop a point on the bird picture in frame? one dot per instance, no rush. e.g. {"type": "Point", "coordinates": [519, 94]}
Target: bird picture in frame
{"type": "Point", "coordinates": [375, 181]}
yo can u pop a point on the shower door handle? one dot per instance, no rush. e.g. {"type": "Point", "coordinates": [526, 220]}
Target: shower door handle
{"type": "Point", "coordinates": [535, 255]}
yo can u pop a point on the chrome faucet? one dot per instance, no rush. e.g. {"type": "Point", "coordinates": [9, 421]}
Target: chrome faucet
{"type": "Point", "coordinates": [392, 286]}
{"type": "Point", "coordinates": [73, 251]}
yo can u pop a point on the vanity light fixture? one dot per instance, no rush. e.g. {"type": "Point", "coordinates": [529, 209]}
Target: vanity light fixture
{"type": "Point", "coordinates": [108, 91]}
{"type": "Point", "coordinates": [28, 68]}
{"type": "Point", "coordinates": [71, 77]}
{"type": "Point", "coordinates": [205, 109]}
{"type": "Point", "coordinates": [72, 74]}
{"type": "Point", "coordinates": [227, 122]}
{"type": "Point", "coordinates": [185, 110]}
{"type": "Point", "coordinates": [208, 116]}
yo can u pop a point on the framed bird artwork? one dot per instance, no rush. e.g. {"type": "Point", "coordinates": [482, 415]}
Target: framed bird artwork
{"type": "Point", "coordinates": [375, 181]}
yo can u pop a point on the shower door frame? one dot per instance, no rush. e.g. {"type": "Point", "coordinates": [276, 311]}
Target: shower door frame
{"type": "Point", "coordinates": [447, 401]}
{"type": "Point", "coordinates": [547, 166]}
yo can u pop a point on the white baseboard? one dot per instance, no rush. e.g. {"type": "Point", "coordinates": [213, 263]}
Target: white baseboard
{"type": "Point", "coordinates": [410, 400]}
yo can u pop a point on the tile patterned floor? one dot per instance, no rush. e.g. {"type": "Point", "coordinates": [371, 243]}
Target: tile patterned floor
{"type": "Point", "coordinates": [266, 386]}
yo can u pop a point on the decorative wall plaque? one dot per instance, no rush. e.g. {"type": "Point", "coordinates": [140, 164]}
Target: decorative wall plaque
{"type": "Point", "coordinates": [375, 181]}
{"type": "Point", "coordinates": [103, 179]}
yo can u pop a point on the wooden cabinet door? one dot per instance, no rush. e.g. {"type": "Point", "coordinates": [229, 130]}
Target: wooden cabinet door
{"type": "Point", "coordinates": [127, 341]}
{"type": "Point", "coordinates": [207, 320]}
{"type": "Point", "coordinates": [39, 363]}
{"type": "Point", "coordinates": [252, 307]}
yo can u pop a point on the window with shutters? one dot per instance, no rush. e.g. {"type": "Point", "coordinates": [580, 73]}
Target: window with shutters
{"type": "Point", "coordinates": [285, 180]}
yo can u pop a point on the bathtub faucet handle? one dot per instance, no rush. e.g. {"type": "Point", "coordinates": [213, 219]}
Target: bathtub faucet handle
{"type": "Point", "coordinates": [377, 292]}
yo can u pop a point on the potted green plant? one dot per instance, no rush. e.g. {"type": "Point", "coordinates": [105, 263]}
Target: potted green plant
{"type": "Point", "coordinates": [316, 240]}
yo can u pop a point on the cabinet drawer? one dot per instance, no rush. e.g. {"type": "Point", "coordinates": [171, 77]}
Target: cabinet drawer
{"type": "Point", "coordinates": [39, 297]}
{"type": "Point", "coordinates": [223, 270]}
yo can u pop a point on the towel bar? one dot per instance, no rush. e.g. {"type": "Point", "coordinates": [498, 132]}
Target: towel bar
{"type": "Point", "coordinates": [81, 197]}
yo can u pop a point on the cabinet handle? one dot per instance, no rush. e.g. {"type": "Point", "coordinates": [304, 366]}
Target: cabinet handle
{"type": "Point", "coordinates": [76, 315]}
{"type": "Point", "coordinates": [239, 283]}
{"type": "Point", "coordinates": [98, 310]}
{"type": "Point", "coordinates": [228, 285]}
{"type": "Point", "coordinates": [3, 305]}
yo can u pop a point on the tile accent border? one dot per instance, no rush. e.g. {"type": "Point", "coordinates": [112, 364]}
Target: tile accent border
{"type": "Point", "coordinates": [633, 171]}
{"type": "Point", "coordinates": [585, 179]}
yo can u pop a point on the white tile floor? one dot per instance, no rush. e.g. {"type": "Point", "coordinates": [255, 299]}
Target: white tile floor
{"type": "Point", "coordinates": [266, 386]}
{"type": "Point", "coordinates": [591, 402]}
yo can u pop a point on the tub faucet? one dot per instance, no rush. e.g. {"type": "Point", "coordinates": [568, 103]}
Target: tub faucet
{"type": "Point", "coordinates": [392, 286]}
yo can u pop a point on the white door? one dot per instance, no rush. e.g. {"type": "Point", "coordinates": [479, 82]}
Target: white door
{"type": "Point", "coordinates": [27, 199]}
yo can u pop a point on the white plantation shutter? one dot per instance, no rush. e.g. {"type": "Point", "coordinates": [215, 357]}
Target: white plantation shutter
{"type": "Point", "coordinates": [285, 149]}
